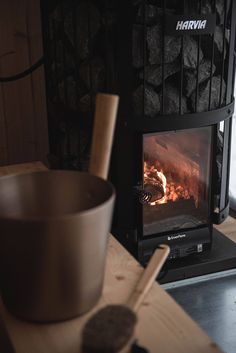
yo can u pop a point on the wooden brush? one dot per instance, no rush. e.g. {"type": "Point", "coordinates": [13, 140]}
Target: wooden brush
{"type": "Point", "coordinates": [112, 328]}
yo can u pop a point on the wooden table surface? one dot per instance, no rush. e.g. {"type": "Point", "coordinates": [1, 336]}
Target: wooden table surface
{"type": "Point", "coordinates": [163, 326]}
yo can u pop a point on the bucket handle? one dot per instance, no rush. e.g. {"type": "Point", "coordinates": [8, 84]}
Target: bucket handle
{"type": "Point", "coordinates": [103, 131]}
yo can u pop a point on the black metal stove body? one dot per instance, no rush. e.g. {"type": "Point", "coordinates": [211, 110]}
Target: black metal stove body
{"type": "Point", "coordinates": [172, 63]}
{"type": "Point", "coordinates": [170, 166]}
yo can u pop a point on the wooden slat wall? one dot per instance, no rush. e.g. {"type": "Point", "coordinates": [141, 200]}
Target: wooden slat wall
{"type": "Point", "coordinates": [23, 118]}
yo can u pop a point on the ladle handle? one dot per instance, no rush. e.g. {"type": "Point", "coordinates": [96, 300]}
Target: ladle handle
{"type": "Point", "coordinates": [103, 130]}
{"type": "Point", "coordinates": [148, 277]}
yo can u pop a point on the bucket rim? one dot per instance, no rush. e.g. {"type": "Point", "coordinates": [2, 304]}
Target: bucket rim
{"type": "Point", "coordinates": [61, 217]}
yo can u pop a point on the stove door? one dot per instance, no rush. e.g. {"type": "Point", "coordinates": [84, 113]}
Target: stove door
{"type": "Point", "coordinates": [176, 178]}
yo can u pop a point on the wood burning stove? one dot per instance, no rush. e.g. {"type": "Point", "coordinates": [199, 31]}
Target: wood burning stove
{"type": "Point", "coordinates": [171, 156]}
{"type": "Point", "coordinates": [172, 63]}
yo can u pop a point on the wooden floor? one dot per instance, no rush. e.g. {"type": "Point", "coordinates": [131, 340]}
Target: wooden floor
{"type": "Point", "coordinates": [228, 228]}
{"type": "Point", "coordinates": [212, 301]}
{"type": "Point", "coordinates": [163, 326]}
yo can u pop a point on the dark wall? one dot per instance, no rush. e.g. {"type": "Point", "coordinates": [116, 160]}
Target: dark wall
{"type": "Point", "coordinates": [23, 116]}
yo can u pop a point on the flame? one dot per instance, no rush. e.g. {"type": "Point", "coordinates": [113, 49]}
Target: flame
{"type": "Point", "coordinates": [173, 191]}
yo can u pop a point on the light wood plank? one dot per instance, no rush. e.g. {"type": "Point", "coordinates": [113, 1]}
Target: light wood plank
{"type": "Point", "coordinates": [228, 228]}
{"type": "Point", "coordinates": [162, 327]}
{"type": "Point", "coordinates": [22, 168]}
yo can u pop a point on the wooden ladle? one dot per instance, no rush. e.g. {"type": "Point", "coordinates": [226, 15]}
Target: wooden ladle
{"type": "Point", "coordinates": [103, 131]}
{"type": "Point", "coordinates": [112, 328]}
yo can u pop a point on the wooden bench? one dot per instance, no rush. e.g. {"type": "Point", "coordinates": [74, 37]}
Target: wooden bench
{"type": "Point", "coordinates": [163, 325]}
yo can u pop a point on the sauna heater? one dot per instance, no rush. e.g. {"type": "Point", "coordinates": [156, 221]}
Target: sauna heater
{"type": "Point", "coordinates": [171, 155]}
{"type": "Point", "coordinates": [172, 63]}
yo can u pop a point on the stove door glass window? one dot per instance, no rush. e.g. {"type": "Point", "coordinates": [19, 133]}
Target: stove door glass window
{"type": "Point", "coordinates": [176, 173]}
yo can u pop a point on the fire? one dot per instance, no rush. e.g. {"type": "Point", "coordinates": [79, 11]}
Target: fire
{"type": "Point", "coordinates": [162, 187]}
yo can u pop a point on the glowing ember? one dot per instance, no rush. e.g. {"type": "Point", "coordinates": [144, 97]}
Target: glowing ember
{"type": "Point", "coordinates": [163, 188]}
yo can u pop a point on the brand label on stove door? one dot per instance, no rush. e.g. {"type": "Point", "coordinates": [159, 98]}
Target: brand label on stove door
{"type": "Point", "coordinates": [197, 24]}
{"type": "Point", "coordinates": [175, 237]}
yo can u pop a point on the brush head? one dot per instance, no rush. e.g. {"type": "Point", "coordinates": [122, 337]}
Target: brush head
{"type": "Point", "coordinates": [109, 330]}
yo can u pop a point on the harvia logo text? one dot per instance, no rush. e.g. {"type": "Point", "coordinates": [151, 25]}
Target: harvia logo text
{"type": "Point", "coordinates": [174, 237]}
{"type": "Point", "coordinates": [188, 25]}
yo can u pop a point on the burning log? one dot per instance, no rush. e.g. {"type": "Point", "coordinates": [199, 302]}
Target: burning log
{"type": "Point", "coordinates": [154, 183]}
{"type": "Point", "coordinates": [156, 190]}
{"type": "Point", "coordinates": [162, 189]}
